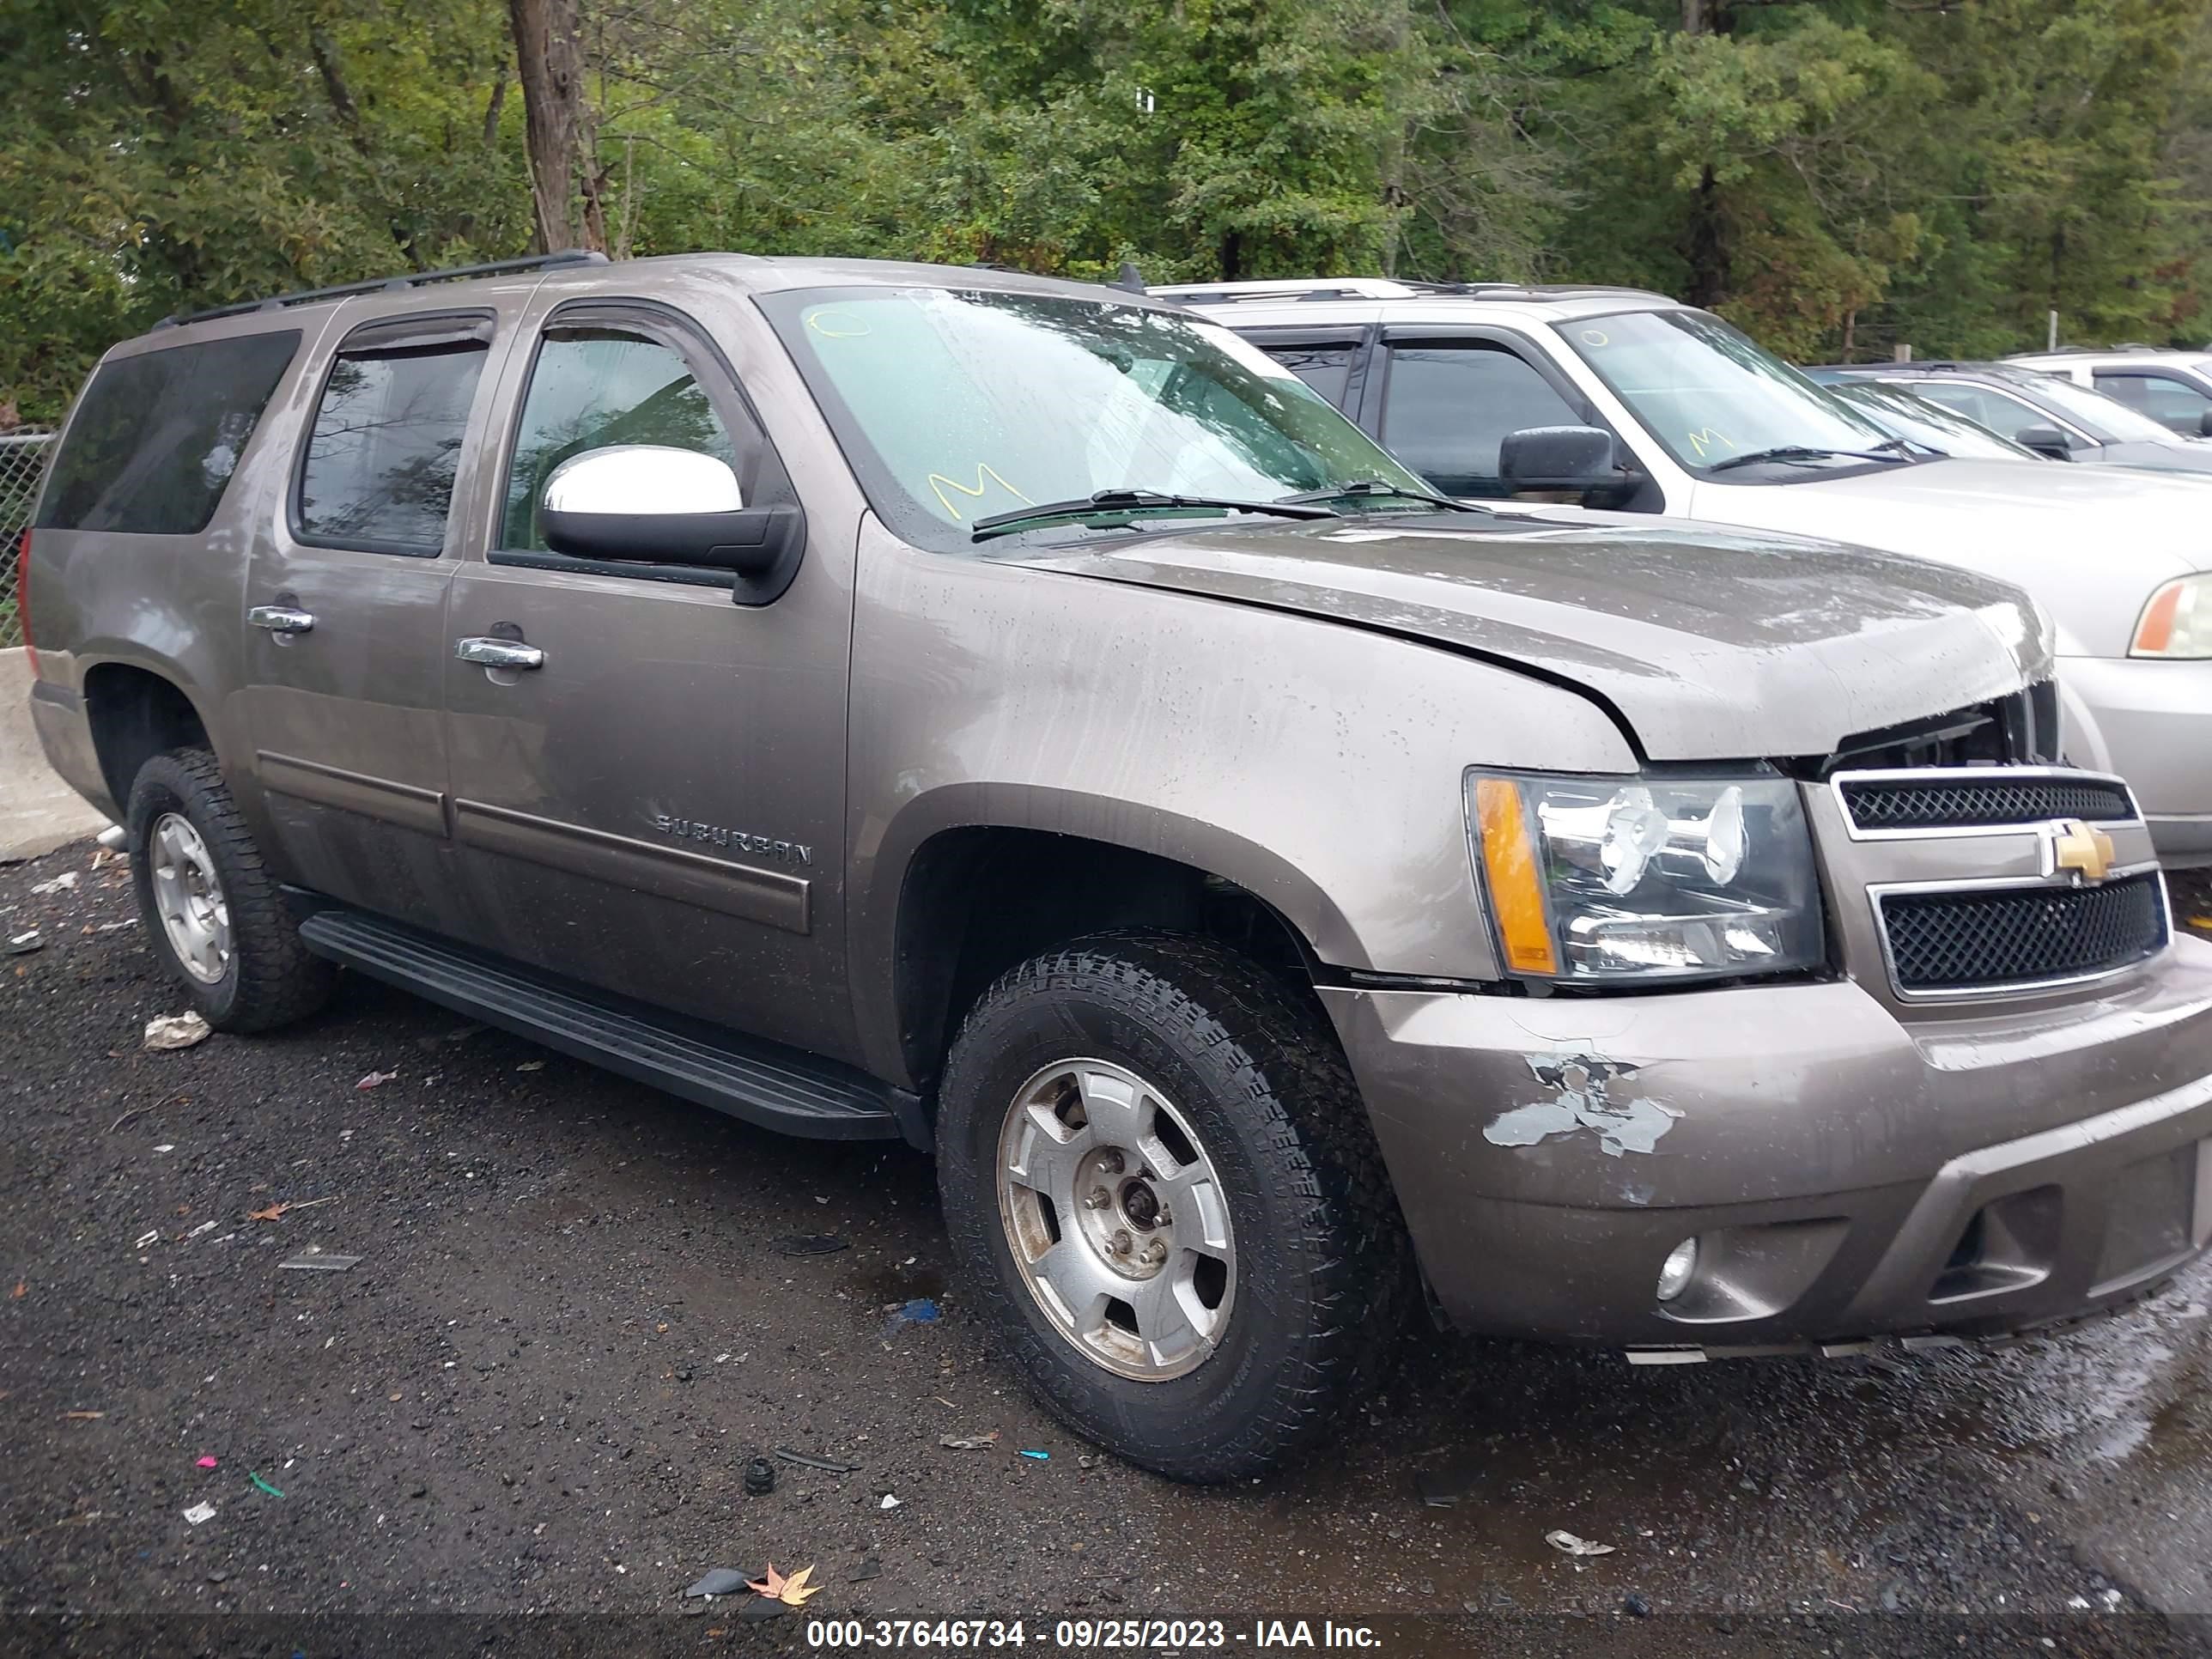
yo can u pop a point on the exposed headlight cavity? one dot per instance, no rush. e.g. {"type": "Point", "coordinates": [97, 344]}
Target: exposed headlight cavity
{"type": "Point", "coordinates": [1611, 880]}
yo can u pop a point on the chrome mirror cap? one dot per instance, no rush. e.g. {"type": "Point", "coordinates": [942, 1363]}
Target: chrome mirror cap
{"type": "Point", "coordinates": [642, 480]}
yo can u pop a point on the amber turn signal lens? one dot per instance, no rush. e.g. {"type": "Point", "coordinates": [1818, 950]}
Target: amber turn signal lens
{"type": "Point", "coordinates": [1509, 856]}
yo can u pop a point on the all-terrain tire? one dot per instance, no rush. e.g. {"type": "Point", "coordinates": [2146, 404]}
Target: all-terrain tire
{"type": "Point", "coordinates": [272, 979]}
{"type": "Point", "coordinates": [1323, 1274]}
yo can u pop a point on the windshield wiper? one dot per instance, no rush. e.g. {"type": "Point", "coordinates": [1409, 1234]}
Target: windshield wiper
{"type": "Point", "coordinates": [1370, 489]}
{"type": "Point", "coordinates": [1809, 452]}
{"type": "Point", "coordinates": [1132, 501]}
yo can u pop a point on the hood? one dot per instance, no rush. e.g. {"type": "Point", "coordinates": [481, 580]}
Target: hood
{"type": "Point", "coordinates": [1709, 643]}
{"type": "Point", "coordinates": [2180, 456]}
{"type": "Point", "coordinates": [2091, 544]}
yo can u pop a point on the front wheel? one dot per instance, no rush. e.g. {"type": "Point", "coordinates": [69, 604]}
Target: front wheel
{"type": "Point", "coordinates": [1157, 1173]}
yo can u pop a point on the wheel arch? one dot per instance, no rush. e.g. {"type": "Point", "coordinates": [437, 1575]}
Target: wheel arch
{"type": "Point", "coordinates": [961, 899]}
{"type": "Point", "coordinates": [134, 714]}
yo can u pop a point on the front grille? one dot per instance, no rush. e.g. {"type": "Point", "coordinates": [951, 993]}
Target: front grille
{"type": "Point", "coordinates": [2001, 937]}
{"type": "Point", "coordinates": [1932, 802]}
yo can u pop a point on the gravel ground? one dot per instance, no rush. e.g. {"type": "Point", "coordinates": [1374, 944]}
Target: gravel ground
{"type": "Point", "coordinates": [572, 1324]}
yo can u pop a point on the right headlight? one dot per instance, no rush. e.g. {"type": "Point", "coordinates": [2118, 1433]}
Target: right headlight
{"type": "Point", "coordinates": [2178, 620]}
{"type": "Point", "coordinates": [1635, 880]}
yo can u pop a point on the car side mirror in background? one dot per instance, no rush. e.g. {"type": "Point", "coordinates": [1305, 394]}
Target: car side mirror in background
{"type": "Point", "coordinates": [1559, 458]}
{"type": "Point", "coordinates": [2046, 441]}
{"type": "Point", "coordinates": [2204, 424]}
{"type": "Point", "coordinates": [650, 504]}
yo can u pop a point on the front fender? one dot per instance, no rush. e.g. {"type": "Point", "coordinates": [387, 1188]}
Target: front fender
{"type": "Point", "coordinates": [1315, 764]}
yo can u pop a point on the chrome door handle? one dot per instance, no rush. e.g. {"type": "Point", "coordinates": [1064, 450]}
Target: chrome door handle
{"type": "Point", "coordinates": [499, 653]}
{"type": "Point", "coordinates": [281, 618]}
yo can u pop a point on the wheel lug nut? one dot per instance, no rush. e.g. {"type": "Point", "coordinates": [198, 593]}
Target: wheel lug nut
{"type": "Point", "coordinates": [1119, 1243]}
{"type": "Point", "coordinates": [1098, 1199]}
{"type": "Point", "coordinates": [1156, 1252]}
{"type": "Point", "coordinates": [1111, 1163]}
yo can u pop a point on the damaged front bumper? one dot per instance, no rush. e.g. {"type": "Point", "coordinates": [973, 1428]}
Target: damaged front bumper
{"type": "Point", "coordinates": [1851, 1169]}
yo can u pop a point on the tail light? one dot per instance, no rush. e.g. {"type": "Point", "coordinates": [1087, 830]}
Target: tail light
{"type": "Point", "coordinates": [23, 601]}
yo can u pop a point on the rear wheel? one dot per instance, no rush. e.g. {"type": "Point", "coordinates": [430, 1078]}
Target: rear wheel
{"type": "Point", "coordinates": [214, 918]}
{"type": "Point", "coordinates": [1159, 1174]}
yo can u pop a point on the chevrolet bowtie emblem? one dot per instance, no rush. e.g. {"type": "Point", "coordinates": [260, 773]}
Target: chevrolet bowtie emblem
{"type": "Point", "coordinates": [2079, 850]}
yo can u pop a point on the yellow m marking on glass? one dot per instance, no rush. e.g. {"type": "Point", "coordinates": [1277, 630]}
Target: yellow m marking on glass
{"type": "Point", "coordinates": [1705, 437]}
{"type": "Point", "coordinates": [985, 476]}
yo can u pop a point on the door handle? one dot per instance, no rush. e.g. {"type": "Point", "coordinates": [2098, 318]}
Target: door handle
{"type": "Point", "coordinates": [499, 653]}
{"type": "Point", "coordinates": [281, 618]}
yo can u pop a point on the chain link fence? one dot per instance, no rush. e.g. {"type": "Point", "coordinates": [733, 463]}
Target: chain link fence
{"type": "Point", "coordinates": [23, 461]}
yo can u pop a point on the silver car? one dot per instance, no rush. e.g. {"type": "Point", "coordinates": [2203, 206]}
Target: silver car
{"type": "Point", "coordinates": [1613, 397]}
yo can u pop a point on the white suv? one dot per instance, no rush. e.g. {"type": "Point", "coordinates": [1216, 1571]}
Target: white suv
{"type": "Point", "coordinates": [1614, 397]}
{"type": "Point", "coordinates": [2174, 388]}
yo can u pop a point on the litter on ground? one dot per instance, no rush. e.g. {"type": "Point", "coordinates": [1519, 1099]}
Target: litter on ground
{"type": "Point", "coordinates": [200, 1512]}
{"type": "Point", "coordinates": [175, 1031]}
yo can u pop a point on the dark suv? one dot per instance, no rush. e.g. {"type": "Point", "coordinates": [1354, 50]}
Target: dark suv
{"type": "Point", "coordinates": [887, 701]}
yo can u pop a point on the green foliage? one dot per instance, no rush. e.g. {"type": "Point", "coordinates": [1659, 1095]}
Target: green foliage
{"type": "Point", "coordinates": [1849, 175]}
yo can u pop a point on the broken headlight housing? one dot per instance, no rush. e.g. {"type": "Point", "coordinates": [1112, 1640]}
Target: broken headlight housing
{"type": "Point", "coordinates": [1639, 880]}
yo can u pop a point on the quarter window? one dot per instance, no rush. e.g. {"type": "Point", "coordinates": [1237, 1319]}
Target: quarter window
{"type": "Point", "coordinates": [156, 437]}
{"type": "Point", "coordinates": [592, 388]}
{"type": "Point", "coordinates": [385, 445]}
{"type": "Point", "coordinates": [1446, 410]}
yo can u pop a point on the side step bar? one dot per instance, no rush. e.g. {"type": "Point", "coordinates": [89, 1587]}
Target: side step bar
{"type": "Point", "coordinates": [763, 1082]}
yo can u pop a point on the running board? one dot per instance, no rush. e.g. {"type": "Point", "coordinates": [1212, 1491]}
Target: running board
{"type": "Point", "coordinates": [763, 1082]}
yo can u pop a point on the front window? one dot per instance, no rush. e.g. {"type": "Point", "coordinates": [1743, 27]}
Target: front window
{"type": "Point", "coordinates": [1711, 397]}
{"type": "Point", "coordinates": [1924, 421]}
{"type": "Point", "coordinates": [956, 406]}
{"type": "Point", "coordinates": [2105, 419]}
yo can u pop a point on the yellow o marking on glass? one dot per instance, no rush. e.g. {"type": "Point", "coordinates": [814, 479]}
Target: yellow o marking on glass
{"type": "Point", "coordinates": [854, 329]}
{"type": "Point", "coordinates": [1596, 336]}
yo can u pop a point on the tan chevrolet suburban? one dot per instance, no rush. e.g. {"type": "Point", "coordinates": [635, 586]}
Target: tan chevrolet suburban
{"type": "Point", "coordinates": [891, 701]}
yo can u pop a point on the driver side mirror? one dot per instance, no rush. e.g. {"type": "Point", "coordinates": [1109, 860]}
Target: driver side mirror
{"type": "Point", "coordinates": [1559, 458]}
{"type": "Point", "coordinates": [651, 504]}
{"type": "Point", "coordinates": [2046, 441]}
{"type": "Point", "coordinates": [2204, 424]}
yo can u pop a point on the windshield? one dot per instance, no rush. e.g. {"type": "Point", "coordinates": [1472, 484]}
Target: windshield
{"type": "Point", "coordinates": [1706, 393]}
{"type": "Point", "coordinates": [1904, 414]}
{"type": "Point", "coordinates": [955, 406]}
{"type": "Point", "coordinates": [2105, 419]}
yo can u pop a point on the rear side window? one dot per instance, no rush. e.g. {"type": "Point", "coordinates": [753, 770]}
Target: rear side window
{"type": "Point", "coordinates": [156, 437]}
{"type": "Point", "coordinates": [381, 458]}
{"type": "Point", "coordinates": [1446, 410]}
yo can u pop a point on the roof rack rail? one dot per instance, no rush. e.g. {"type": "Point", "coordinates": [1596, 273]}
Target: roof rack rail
{"type": "Point", "coordinates": [1295, 288]}
{"type": "Point", "coordinates": [574, 256]}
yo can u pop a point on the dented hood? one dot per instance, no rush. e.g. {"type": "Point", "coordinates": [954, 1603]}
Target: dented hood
{"type": "Point", "coordinates": [1710, 643]}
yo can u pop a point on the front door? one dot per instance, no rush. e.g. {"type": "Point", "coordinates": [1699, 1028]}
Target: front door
{"type": "Point", "coordinates": [655, 806]}
{"type": "Point", "coordinates": [346, 642]}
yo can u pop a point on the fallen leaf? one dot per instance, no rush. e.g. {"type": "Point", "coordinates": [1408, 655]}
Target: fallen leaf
{"type": "Point", "coordinates": [175, 1030]}
{"type": "Point", "coordinates": [376, 1080]}
{"type": "Point", "coordinates": [278, 1211]}
{"type": "Point", "coordinates": [792, 1592]}
{"type": "Point", "coordinates": [20, 1290]}
{"type": "Point", "coordinates": [2205, 922]}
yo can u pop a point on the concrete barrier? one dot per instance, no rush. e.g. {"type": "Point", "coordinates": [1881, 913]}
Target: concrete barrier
{"type": "Point", "coordinates": [38, 811]}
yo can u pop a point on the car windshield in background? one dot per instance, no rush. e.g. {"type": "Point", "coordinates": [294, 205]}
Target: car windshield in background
{"type": "Point", "coordinates": [2105, 419]}
{"type": "Point", "coordinates": [1709, 395]}
{"type": "Point", "coordinates": [1904, 414]}
{"type": "Point", "coordinates": [956, 406]}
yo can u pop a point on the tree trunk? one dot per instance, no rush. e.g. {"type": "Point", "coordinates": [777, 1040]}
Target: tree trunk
{"type": "Point", "coordinates": [1705, 245]}
{"type": "Point", "coordinates": [559, 129]}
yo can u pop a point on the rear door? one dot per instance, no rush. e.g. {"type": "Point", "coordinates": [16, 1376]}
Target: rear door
{"type": "Point", "coordinates": [345, 635]}
{"type": "Point", "coordinates": [657, 807]}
